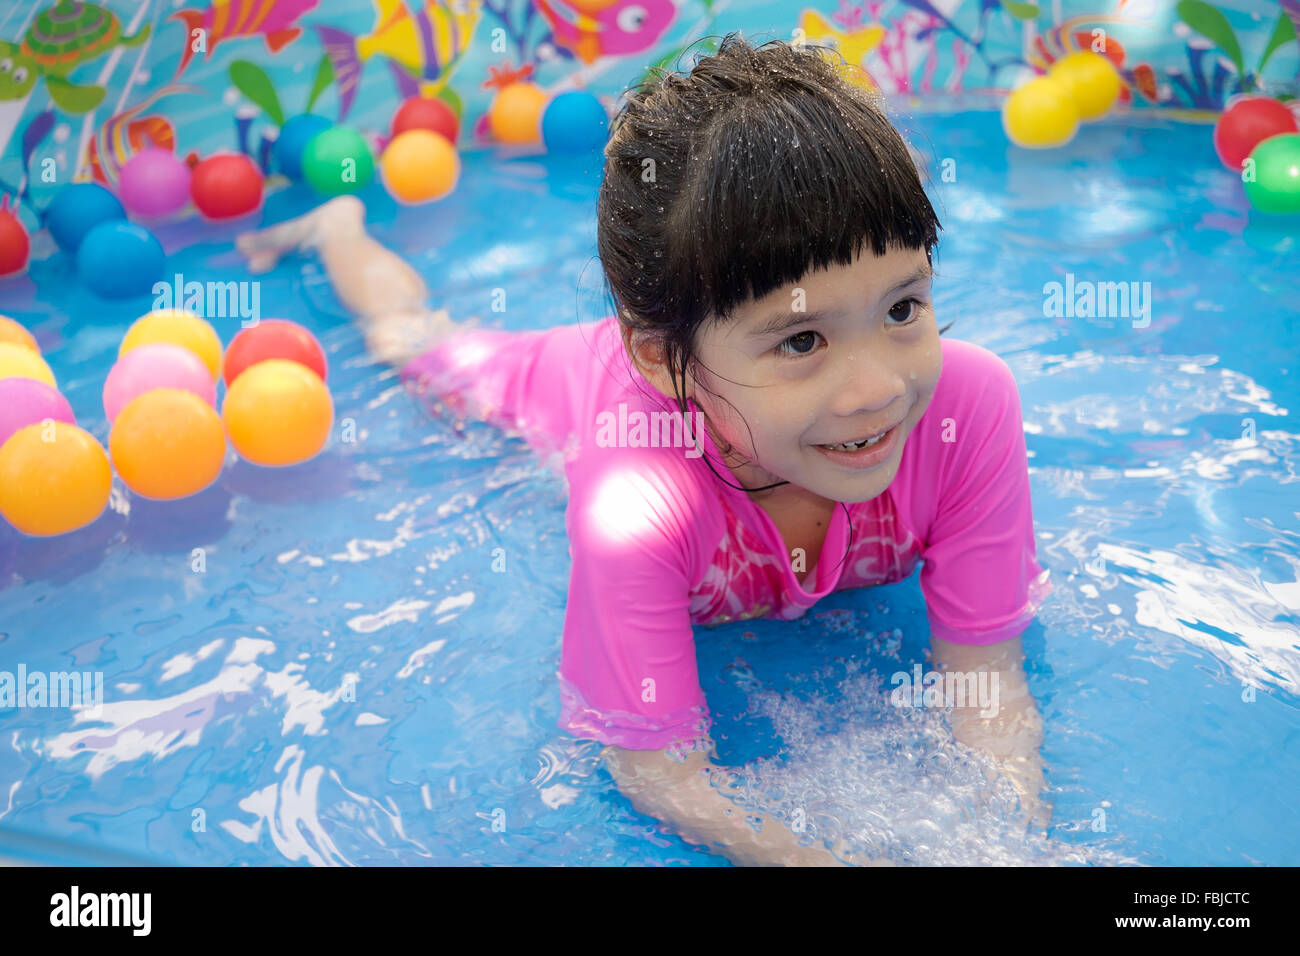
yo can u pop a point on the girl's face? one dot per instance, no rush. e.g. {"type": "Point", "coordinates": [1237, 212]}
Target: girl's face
{"type": "Point", "coordinates": [845, 354]}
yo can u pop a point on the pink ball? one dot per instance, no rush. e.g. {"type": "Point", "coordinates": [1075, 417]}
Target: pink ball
{"type": "Point", "coordinates": [159, 365]}
{"type": "Point", "coordinates": [25, 401]}
{"type": "Point", "coordinates": [154, 182]}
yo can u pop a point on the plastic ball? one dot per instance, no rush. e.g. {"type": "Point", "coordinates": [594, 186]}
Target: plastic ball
{"type": "Point", "coordinates": [1275, 187]}
{"type": "Point", "coordinates": [575, 122]}
{"type": "Point", "coordinates": [167, 443]}
{"type": "Point", "coordinates": [119, 260]}
{"type": "Point", "coordinates": [154, 182]}
{"type": "Point", "coordinates": [77, 209]}
{"type": "Point", "coordinates": [278, 413]}
{"type": "Point", "coordinates": [338, 161]}
{"type": "Point", "coordinates": [420, 165]}
{"type": "Point", "coordinates": [426, 112]}
{"type": "Point", "coordinates": [294, 136]}
{"type": "Point", "coordinates": [273, 339]}
{"type": "Point", "coordinates": [1092, 80]}
{"type": "Point", "coordinates": [15, 246]}
{"type": "Point", "coordinates": [18, 361]}
{"type": "Point", "coordinates": [51, 487]}
{"type": "Point", "coordinates": [158, 365]}
{"type": "Point", "coordinates": [1040, 114]}
{"type": "Point", "coordinates": [1247, 123]}
{"type": "Point", "coordinates": [178, 327]}
{"type": "Point", "coordinates": [516, 113]}
{"type": "Point", "coordinates": [226, 185]}
{"type": "Point", "coordinates": [25, 401]}
{"type": "Point", "coordinates": [16, 333]}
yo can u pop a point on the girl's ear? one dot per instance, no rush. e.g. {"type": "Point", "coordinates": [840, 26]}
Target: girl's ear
{"type": "Point", "coordinates": [647, 353]}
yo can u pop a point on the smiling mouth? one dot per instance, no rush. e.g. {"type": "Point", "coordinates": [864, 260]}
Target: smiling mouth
{"type": "Point", "coordinates": [861, 443]}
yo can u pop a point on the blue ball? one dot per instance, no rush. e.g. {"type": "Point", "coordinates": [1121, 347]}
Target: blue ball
{"type": "Point", "coordinates": [293, 140]}
{"type": "Point", "coordinates": [575, 122]}
{"type": "Point", "coordinates": [119, 260]}
{"type": "Point", "coordinates": [76, 210]}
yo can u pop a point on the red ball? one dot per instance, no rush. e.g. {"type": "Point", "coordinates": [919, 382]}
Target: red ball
{"type": "Point", "coordinates": [273, 339]}
{"type": "Point", "coordinates": [430, 113]}
{"type": "Point", "coordinates": [1247, 123]}
{"type": "Point", "coordinates": [14, 244]}
{"type": "Point", "coordinates": [226, 185]}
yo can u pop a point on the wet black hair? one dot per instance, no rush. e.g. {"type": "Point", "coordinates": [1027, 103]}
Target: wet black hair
{"type": "Point", "coordinates": [739, 177]}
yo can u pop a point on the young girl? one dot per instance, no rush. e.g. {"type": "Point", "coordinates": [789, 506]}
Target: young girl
{"type": "Point", "coordinates": [771, 416]}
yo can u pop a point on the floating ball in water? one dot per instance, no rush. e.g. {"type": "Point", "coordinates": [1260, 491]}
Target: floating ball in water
{"type": "Point", "coordinates": [25, 401]}
{"type": "Point", "coordinates": [18, 361]}
{"type": "Point", "coordinates": [53, 486]}
{"type": "Point", "coordinates": [426, 112]}
{"type": "Point", "coordinates": [16, 333]}
{"type": "Point", "coordinates": [1040, 114]}
{"type": "Point", "coordinates": [1247, 123]}
{"type": "Point", "coordinates": [337, 161]}
{"type": "Point", "coordinates": [77, 209]}
{"type": "Point", "coordinates": [226, 185]}
{"type": "Point", "coordinates": [419, 166]}
{"type": "Point", "coordinates": [292, 142]}
{"type": "Point", "coordinates": [156, 365]}
{"type": "Point", "coordinates": [154, 182]}
{"type": "Point", "coordinates": [278, 413]}
{"type": "Point", "coordinates": [167, 444]}
{"type": "Point", "coordinates": [516, 113]}
{"type": "Point", "coordinates": [273, 339]}
{"type": "Point", "coordinates": [120, 260]}
{"type": "Point", "coordinates": [179, 327]}
{"type": "Point", "coordinates": [15, 246]}
{"type": "Point", "coordinates": [1275, 185]}
{"type": "Point", "coordinates": [575, 122]}
{"type": "Point", "coordinates": [1092, 80]}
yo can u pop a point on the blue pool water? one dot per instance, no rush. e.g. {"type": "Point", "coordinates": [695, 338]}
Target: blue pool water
{"type": "Point", "coordinates": [229, 735]}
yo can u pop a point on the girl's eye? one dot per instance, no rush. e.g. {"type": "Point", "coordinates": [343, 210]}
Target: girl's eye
{"type": "Point", "coordinates": [911, 307]}
{"type": "Point", "coordinates": [803, 338]}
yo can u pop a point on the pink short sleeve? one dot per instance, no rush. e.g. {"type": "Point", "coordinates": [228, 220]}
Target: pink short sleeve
{"type": "Point", "coordinates": [628, 673]}
{"type": "Point", "coordinates": [981, 580]}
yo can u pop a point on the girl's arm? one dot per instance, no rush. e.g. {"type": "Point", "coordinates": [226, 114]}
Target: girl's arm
{"type": "Point", "coordinates": [1013, 734]}
{"type": "Point", "coordinates": [681, 795]}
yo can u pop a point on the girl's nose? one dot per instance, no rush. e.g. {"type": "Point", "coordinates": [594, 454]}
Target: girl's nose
{"type": "Point", "coordinates": [866, 384]}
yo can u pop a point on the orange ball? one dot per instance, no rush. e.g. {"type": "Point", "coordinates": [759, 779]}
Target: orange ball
{"type": "Point", "coordinates": [167, 443]}
{"type": "Point", "coordinates": [278, 413]}
{"type": "Point", "coordinates": [54, 478]}
{"type": "Point", "coordinates": [516, 113]}
{"type": "Point", "coordinates": [16, 334]}
{"type": "Point", "coordinates": [419, 165]}
{"type": "Point", "coordinates": [176, 327]}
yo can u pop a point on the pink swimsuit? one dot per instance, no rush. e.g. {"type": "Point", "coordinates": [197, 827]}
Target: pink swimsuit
{"type": "Point", "coordinates": [659, 544]}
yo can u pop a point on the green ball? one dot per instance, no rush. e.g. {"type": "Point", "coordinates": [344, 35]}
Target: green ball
{"type": "Point", "coordinates": [1276, 186]}
{"type": "Point", "coordinates": [338, 161]}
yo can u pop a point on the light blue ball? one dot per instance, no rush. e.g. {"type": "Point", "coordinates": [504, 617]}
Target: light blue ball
{"type": "Point", "coordinates": [293, 140]}
{"type": "Point", "coordinates": [78, 208]}
{"type": "Point", "coordinates": [119, 260]}
{"type": "Point", "coordinates": [575, 122]}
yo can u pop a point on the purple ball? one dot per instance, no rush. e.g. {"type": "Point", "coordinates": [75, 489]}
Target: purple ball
{"type": "Point", "coordinates": [154, 182]}
{"type": "Point", "coordinates": [25, 401]}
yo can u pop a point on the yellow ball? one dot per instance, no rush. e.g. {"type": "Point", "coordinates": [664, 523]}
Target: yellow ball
{"type": "Point", "coordinates": [176, 327]}
{"type": "Point", "coordinates": [1092, 80]}
{"type": "Point", "coordinates": [278, 413]}
{"type": "Point", "coordinates": [516, 113]}
{"type": "Point", "coordinates": [55, 485]}
{"type": "Point", "coordinates": [18, 361]}
{"type": "Point", "coordinates": [167, 443]}
{"type": "Point", "coordinates": [1039, 114]}
{"type": "Point", "coordinates": [419, 165]}
{"type": "Point", "coordinates": [17, 334]}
